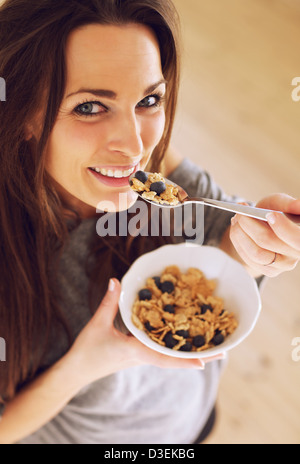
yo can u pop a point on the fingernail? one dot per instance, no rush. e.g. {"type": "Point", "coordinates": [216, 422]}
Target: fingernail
{"type": "Point", "coordinates": [271, 218]}
{"type": "Point", "coordinates": [233, 220]}
{"type": "Point", "coordinates": [111, 285]}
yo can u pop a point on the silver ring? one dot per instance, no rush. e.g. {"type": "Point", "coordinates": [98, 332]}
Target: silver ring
{"type": "Point", "coordinates": [273, 262]}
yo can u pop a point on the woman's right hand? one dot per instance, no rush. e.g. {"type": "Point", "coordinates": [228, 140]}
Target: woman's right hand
{"type": "Point", "coordinates": [101, 350]}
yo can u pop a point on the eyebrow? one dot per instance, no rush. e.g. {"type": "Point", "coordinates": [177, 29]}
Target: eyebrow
{"type": "Point", "coordinates": [111, 94]}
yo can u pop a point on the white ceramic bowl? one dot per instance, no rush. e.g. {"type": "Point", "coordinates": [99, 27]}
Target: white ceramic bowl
{"type": "Point", "coordinates": [234, 285]}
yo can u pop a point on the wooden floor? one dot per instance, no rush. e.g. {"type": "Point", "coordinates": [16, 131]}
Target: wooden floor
{"type": "Point", "coordinates": [237, 119]}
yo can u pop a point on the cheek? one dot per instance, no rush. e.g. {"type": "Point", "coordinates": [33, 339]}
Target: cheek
{"type": "Point", "coordinates": [152, 130]}
{"type": "Point", "coordinates": [79, 138]}
{"type": "Point", "coordinates": [70, 145]}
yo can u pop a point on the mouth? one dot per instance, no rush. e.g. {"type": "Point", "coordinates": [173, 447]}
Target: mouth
{"type": "Point", "coordinates": [117, 176]}
{"type": "Point", "coordinates": [115, 173]}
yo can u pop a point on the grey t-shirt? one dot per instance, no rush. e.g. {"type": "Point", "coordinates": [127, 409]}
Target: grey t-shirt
{"type": "Point", "coordinates": [141, 405]}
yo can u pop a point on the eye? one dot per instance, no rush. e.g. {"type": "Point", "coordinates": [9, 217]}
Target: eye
{"type": "Point", "coordinates": [89, 109]}
{"type": "Point", "coordinates": [150, 101]}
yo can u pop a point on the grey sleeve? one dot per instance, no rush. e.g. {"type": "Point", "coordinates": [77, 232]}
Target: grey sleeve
{"type": "Point", "coordinates": [198, 183]}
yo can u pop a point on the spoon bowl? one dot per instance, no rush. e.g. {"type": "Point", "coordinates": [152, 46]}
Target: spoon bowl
{"type": "Point", "coordinates": [245, 210]}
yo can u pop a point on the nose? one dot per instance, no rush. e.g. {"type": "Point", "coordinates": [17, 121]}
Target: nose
{"type": "Point", "coordinates": [125, 135]}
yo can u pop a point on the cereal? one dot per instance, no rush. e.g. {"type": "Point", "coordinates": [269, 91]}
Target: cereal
{"type": "Point", "coordinates": [154, 188]}
{"type": "Point", "coordinates": [182, 312]}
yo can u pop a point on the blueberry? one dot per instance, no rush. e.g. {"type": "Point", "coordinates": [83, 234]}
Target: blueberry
{"type": "Point", "coordinates": [141, 176]}
{"type": "Point", "coordinates": [183, 333]}
{"type": "Point", "coordinates": [218, 338]}
{"type": "Point", "coordinates": [158, 187]}
{"type": "Point", "coordinates": [198, 341]}
{"type": "Point", "coordinates": [205, 308]}
{"type": "Point", "coordinates": [145, 294]}
{"type": "Point", "coordinates": [169, 309]}
{"type": "Point", "coordinates": [157, 281]}
{"type": "Point", "coordinates": [149, 327]}
{"type": "Point", "coordinates": [169, 340]}
{"type": "Point", "coordinates": [186, 347]}
{"type": "Point", "coordinates": [167, 287]}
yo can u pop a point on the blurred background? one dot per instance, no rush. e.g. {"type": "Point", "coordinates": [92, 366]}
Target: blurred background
{"type": "Point", "coordinates": [237, 119]}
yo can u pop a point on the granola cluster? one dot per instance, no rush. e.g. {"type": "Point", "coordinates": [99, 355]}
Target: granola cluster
{"type": "Point", "coordinates": [154, 188]}
{"type": "Point", "coordinates": [178, 310]}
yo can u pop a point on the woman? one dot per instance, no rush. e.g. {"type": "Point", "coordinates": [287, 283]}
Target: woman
{"type": "Point", "coordinates": [92, 86]}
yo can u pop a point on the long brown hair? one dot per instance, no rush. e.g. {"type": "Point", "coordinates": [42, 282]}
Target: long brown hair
{"type": "Point", "coordinates": [33, 35]}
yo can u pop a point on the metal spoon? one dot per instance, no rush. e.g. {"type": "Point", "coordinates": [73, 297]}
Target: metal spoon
{"type": "Point", "coordinates": [245, 210]}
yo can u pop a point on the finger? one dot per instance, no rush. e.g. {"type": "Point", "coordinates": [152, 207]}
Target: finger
{"type": "Point", "coordinates": [285, 230]}
{"type": "Point", "coordinates": [108, 308]}
{"type": "Point", "coordinates": [278, 202]}
{"type": "Point", "coordinates": [258, 259]}
{"type": "Point", "coordinates": [240, 242]}
{"type": "Point", "coordinates": [248, 248]}
{"type": "Point", "coordinates": [294, 207]}
{"type": "Point", "coordinates": [265, 237]}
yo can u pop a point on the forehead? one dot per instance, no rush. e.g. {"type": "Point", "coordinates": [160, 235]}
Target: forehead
{"type": "Point", "coordinates": [112, 55]}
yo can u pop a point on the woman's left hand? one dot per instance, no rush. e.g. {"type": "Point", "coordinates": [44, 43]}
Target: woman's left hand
{"type": "Point", "coordinates": [272, 247]}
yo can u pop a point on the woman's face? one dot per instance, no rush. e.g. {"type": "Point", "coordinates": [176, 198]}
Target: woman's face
{"type": "Point", "coordinates": [111, 118]}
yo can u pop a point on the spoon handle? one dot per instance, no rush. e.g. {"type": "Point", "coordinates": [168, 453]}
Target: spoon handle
{"type": "Point", "coordinates": [245, 210]}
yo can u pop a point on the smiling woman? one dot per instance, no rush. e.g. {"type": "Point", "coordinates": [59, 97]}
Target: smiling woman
{"type": "Point", "coordinates": [92, 89]}
{"type": "Point", "coordinates": [102, 136]}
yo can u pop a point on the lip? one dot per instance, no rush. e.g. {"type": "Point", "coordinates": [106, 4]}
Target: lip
{"type": "Point", "coordinates": [114, 168]}
{"type": "Point", "coordinates": [113, 181]}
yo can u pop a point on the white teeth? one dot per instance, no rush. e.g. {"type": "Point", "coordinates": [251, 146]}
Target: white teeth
{"type": "Point", "coordinates": [118, 174]}
{"type": "Point", "coordinates": [128, 172]}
